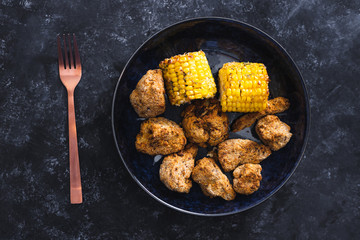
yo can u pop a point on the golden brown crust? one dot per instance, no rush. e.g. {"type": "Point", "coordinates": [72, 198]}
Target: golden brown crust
{"type": "Point", "coordinates": [233, 152]}
{"type": "Point", "coordinates": [175, 170]}
{"type": "Point", "coordinates": [160, 136]}
{"type": "Point", "coordinates": [247, 178]}
{"type": "Point", "coordinates": [192, 149]}
{"type": "Point", "coordinates": [148, 98]}
{"type": "Point", "coordinates": [245, 121]}
{"type": "Point", "coordinates": [211, 179]}
{"type": "Point", "coordinates": [276, 105]}
{"type": "Point", "coordinates": [273, 132]}
{"type": "Point", "coordinates": [204, 123]}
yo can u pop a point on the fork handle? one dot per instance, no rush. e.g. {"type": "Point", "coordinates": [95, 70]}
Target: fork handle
{"type": "Point", "coordinates": [75, 179]}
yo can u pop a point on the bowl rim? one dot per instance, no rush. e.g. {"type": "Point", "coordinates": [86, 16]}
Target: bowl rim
{"type": "Point", "coordinates": [307, 108]}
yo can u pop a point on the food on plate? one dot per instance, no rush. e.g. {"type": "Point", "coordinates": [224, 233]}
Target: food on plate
{"type": "Point", "coordinates": [276, 105]}
{"type": "Point", "coordinates": [160, 136]}
{"type": "Point", "coordinates": [204, 122]}
{"type": "Point", "coordinates": [188, 76]}
{"type": "Point", "coordinates": [247, 178]}
{"type": "Point", "coordinates": [273, 132]}
{"type": "Point", "coordinates": [233, 152]}
{"type": "Point", "coordinates": [212, 181]}
{"type": "Point", "coordinates": [175, 169]}
{"type": "Point", "coordinates": [148, 98]}
{"type": "Point", "coordinates": [243, 87]}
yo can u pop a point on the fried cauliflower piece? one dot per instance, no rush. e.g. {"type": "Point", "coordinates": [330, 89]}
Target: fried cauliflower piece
{"type": "Point", "coordinates": [175, 170]}
{"type": "Point", "coordinates": [273, 132]}
{"type": "Point", "coordinates": [148, 98]}
{"type": "Point", "coordinates": [276, 105]}
{"type": "Point", "coordinates": [211, 180]}
{"type": "Point", "coordinates": [233, 152]}
{"type": "Point", "coordinates": [247, 178]}
{"type": "Point", "coordinates": [160, 136]}
{"type": "Point", "coordinates": [204, 123]}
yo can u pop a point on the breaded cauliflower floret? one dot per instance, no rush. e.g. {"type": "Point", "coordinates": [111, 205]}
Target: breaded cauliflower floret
{"type": "Point", "coordinates": [212, 181]}
{"type": "Point", "coordinates": [204, 123]}
{"type": "Point", "coordinates": [273, 132]}
{"type": "Point", "coordinates": [148, 98]}
{"type": "Point", "coordinates": [247, 178]}
{"type": "Point", "coordinates": [160, 136]}
{"type": "Point", "coordinates": [176, 168]}
{"type": "Point", "coordinates": [233, 152]}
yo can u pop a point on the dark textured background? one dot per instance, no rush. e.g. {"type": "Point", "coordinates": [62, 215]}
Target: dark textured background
{"type": "Point", "coordinates": [321, 200]}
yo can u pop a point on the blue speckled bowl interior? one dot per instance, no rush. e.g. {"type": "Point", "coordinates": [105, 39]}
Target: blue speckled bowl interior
{"type": "Point", "coordinates": [222, 40]}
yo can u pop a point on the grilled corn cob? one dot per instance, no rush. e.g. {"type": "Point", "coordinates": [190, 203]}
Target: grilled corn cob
{"type": "Point", "coordinates": [243, 87]}
{"type": "Point", "coordinates": [187, 77]}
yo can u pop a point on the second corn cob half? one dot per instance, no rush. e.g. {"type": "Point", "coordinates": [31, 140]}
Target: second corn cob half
{"type": "Point", "coordinates": [188, 76]}
{"type": "Point", "coordinates": [243, 87]}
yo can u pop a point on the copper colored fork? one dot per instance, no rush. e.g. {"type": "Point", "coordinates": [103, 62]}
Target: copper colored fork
{"type": "Point", "coordinates": [70, 75]}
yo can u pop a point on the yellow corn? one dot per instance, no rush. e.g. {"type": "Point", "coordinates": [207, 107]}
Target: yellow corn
{"type": "Point", "coordinates": [243, 87]}
{"type": "Point", "coordinates": [187, 77]}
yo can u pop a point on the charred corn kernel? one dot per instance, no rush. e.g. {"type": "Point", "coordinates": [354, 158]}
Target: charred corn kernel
{"type": "Point", "coordinates": [243, 87]}
{"type": "Point", "coordinates": [192, 74]}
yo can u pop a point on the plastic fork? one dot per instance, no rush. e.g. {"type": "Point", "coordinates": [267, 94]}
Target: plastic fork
{"type": "Point", "coordinates": [70, 75]}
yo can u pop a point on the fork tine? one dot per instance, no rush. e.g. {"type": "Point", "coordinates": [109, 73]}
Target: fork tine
{"type": "Point", "coordinates": [66, 55]}
{"type": "Point", "coordinates": [76, 52]}
{"type": "Point", "coordinates": [70, 52]}
{"type": "Point", "coordinates": [60, 57]}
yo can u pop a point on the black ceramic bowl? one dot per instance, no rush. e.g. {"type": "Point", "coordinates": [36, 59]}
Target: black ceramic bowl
{"type": "Point", "coordinates": [222, 40]}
